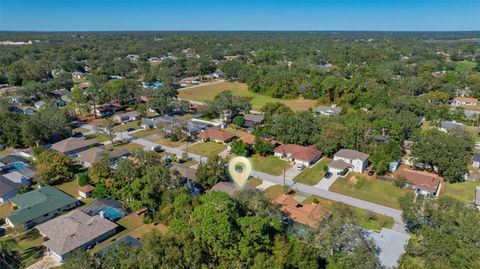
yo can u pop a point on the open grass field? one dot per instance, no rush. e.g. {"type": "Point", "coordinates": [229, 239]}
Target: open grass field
{"type": "Point", "coordinates": [208, 149]}
{"type": "Point", "coordinates": [270, 164]}
{"type": "Point", "coordinates": [364, 218]}
{"type": "Point", "coordinates": [208, 92]}
{"type": "Point", "coordinates": [373, 190]}
{"type": "Point", "coordinates": [313, 175]}
{"type": "Point", "coordinates": [464, 66]}
{"type": "Point", "coordinates": [464, 191]}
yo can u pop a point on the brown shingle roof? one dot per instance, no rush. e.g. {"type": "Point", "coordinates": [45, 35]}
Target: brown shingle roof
{"type": "Point", "coordinates": [185, 171]}
{"type": "Point", "coordinates": [86, 188]}
{"type": "Point", "coordinates": [422, 180]}
{"type": "Point", "coordinates": [338, 164]}
{"type": "Point", "coordinates": [299, 152]}
{"type": "Point", "coordinates": [465, 99]}
{"type": "Point", "coordinates": [309, 214]}
{"type": "Point", "coordinates": [229, 188]}
{"type": "Point", "coordinates": [94, 155]}
{"type": "Point", "coordinates": [216, 134]}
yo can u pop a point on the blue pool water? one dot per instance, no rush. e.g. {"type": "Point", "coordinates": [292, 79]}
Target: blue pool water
{"type": "Point", "coordinates": [18, 165]}
{"type": "Point", "coordinates": [113, 213]}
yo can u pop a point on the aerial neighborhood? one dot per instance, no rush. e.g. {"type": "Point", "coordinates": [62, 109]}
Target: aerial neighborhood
{"type": "Point", "coordinates": [101, 155]}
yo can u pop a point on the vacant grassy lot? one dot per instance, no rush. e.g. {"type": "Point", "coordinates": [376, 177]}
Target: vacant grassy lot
{"type": "Point", "coordinates": [464, 66]}
{"type": "Point", "coordinates": [208, 92]}
{"type": "Point", "coordinates": [274, 191]}
{"type": "Point", "coordinates": [373, 190]}
{"type": "Point", "coordinates": [313, 175]}
{"type": "Point", "coordinates": [270, 164]}
{"type": "Point", "coordinates": [364, 218]}
{"type": "Point", "coordinates": [464, 191]}
{"type": "Point", "coordinates": [208, 149]}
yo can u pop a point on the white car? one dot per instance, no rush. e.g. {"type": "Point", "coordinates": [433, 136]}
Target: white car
{"type": "Point", "coordinates": [300, 167]}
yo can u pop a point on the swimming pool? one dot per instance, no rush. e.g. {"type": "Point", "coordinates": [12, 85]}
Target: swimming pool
{"type": "Point", "coordinates": [113, 213]}
{"type": "Point", "coordinates": [18, 165]}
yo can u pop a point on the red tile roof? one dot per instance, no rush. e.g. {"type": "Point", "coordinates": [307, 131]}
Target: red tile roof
{"type": "Point", "coordinates": [299, 152]}
{"type": "Point", "coordinates": [422, 180]}
{"type": "Point", "coordinates": [309, 214]}
{"type": "Point", "coordinates": [216, 134]}
{"type": "Point", "coordinates": [465, 99]}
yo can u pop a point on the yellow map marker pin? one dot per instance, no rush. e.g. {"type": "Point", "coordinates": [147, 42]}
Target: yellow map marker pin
{"type": "Point", "coordinates": [239, 169]}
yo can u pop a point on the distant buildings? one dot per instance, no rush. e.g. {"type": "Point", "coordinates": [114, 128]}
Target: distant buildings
{"type": "Point", "coordinates": [127, 116]}
{"type": "Point", "coordinates": [328, 110]}
{"type": "Point", "coordinates": [464, 101]}
{"type": "Point", "coordinates": [253, 120]}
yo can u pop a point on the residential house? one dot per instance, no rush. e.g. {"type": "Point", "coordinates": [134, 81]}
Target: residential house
{"type": "Point", "coordinates": [328, 110]}
{"type": "Point", "coordinates": [78, 75]}
{"type": "Point", "coordinates": [38, 206]}
{"type": "Point", "coordinates": [106, 208]}
{"type": "Point", "coordinates": [189, 81]}
{"type": "Point", "coordinates": [39, 104]}
{"type": "Point", "coordinates": [194, 127]}
{"type": "Point", "coordinates": [298, 154]}
{"type": "Point", "coordinates": [86, 191]}
{"type": "Point", "coordinates": [356, 160]}
{"type": "Point", "coordinates": [133, 57]}
{"type": "Point", "coordinates": [106, 110]}
{"type": "Point", "coordinates": [153, 85]}
{"type": "Point", "coordinates": [390, 245]}
{"type": "Point", "coordinates": [253, 120]}
{"type": "Point", "coordinates": [8, 189]}
{"type": "Point", "coordinates": [160, 121]}
{"type": "Point", "coordinates": [63, 94]}
{"type": "Point", "coordinates": [422, 182]}
{"type": "Point", "coordinates": [94, 155]}
{"type": "Point", "coordinates": [477, 197]}
{"type": "Point", "coordinates": [189, 176]}
{"type": "Point", "coordinates": [230, 188]}
{"type": "Point", "coordinates": [309, 214]}
{"type": "Point", "coordinates": [476, 160]}
{"type": "Point", "coordinates": [17, 172]}
{"type": "Point", "coordinates": [464, 101]}
{"type": "Point", "coordinates": [75, 230]}
{"type": "Point", "coordinates": [127, 116]}
{"type": "Point", "coordinates": [337, 167]}
{"type": "Point", "coordinates": [217, 135]}
{"type": "Point", "coordinates": [73, 145]}
{"type": "Point", "coordinates": [446, 126]}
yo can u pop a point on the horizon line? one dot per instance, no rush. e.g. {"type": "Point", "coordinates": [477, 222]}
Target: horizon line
{"type": "Point", "coordinates": [377, 31]}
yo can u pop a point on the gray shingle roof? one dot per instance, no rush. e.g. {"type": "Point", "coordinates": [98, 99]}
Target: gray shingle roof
{"type": "Point", "coordinates": [449, 125]}
{"type": "Point", "coordinates": [72, 143]}
{"type": "Point", "coordinates": [73, 230]}
{"type": "Point", "coordinates": [6, 186]}
{"type": "Point", "coordinates": [338, 164]}
{"type": "Point", "coordinates": [352, 154]}
{"type": "Point", "coordinates": [258, 118]}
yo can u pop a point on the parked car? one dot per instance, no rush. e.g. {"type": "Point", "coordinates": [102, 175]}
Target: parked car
{"type": "Point", "coordinates": [131, 129]}
{"type": "Point", "coordinates": [328, 175]}
{"type": "Point", "coordinates": [2, 231]}
{"type": "Point", "coordinates": [300, 167]}
{"type": "Point", "coordinates": [371, 172]}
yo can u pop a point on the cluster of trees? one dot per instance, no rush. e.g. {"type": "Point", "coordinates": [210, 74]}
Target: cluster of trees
{"type": "Point", "coordinates": [17, 130]}
{"type": "Point", "coordinates": [446, 233]}
{"type": "Point", "coordinates": [247, 231]}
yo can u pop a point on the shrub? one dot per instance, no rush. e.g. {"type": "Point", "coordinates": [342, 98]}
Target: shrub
{"type": "Point", "coordinates": [158, 149]}
{"type": "Point", "coordinates": [82, 179]}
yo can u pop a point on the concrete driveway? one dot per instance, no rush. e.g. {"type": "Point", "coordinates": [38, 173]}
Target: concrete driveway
{"type": "Point", "coordinates": [325, 183]}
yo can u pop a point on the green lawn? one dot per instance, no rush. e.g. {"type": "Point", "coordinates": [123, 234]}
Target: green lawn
{"type": "Point", "coordinates": [255, 182]}
{"type": "Point", "coordinates": [127, 223]}
{"type": "Point", "coordinates": [80, 130]}
{"type": "Point", "coordinates": [99, 137]}
{"type": "Point", "coordinates": [464, 66]}
{"type": "Point", "coordinates": [271, 165]}
{"type": "Point", "coordinates": [124, 127]}
{"type": "Point", "coordinates": [464, 191]}
{"type": "Point", "coordinates": [373, 190]}
{"type": "Point", "coordinates": [313, 175]}
{"type": "Point", "coordinates": [70, 188]}
{"type": "Point", "coordinates": [144, 133]}
{"type": "Point", "coordinates": [364, 218]}
{"type": "Point", "coordinates": [208, 92]}
{"type": "Point", "coordinates": [129, 146]}
{"type": "Point", "coordinates": [28, 245]}
{"type": "Point", "coordinates": [274, 191]}
{"type": "Point", "coordinates": [5, 209]}
{"type": "Point", "coordinates": [208, 149]}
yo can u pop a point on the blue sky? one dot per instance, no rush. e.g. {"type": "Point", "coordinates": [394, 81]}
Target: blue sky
{"type": "Point", "coordinates": [104, 15]}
